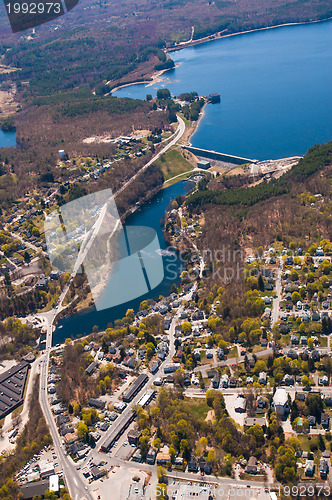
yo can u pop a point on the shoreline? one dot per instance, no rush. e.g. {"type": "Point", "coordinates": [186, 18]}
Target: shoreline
{"type": "Point", "coordinates": [218, 35]}
{"type": "Point", "coordinates": [156, 77]}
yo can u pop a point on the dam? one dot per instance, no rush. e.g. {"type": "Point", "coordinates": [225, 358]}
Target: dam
{"type": "Point", "coordinates": [215, 155]}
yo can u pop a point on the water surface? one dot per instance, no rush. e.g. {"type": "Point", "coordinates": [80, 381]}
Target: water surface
{"type": "Point", "coordinates": [150, 215]}
{"type": "Point", "coordinates": [275, 88]}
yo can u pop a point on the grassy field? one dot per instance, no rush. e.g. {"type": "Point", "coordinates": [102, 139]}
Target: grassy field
{"type": "Point", "coordinates": [173, 163]}
{"type": "Point", "coordinates": [197, 407]}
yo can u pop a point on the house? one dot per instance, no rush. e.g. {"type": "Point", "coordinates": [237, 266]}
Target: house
{"type": "Point", "coordinates": [280, 402]}
{"type": "Point", "coordinates": [303, 340]}
{"type": "Point", "coordinates": [252, 466]}
{"type": "Point", "coordinates": [292, 354]}
{"type": "Point", "coordinates": [309, 468]}
{"type": "Point", "coordinates": [37, 489]}
{"type": "Point", "coordinates": [251, 421]}
{"type": "Point", "coordinates": [96, 403]}
{"type": "Point", "coordinates": [325, 420]}
{"type": "Point", "coordinates": [104, 426]}
{"type": "Point", "coordinates": [205, 467]}
{"type": "Point", "coordinates": [324, 380]}
{"type": "Point", "coordinates": [151, 456]}
{"type": "Point", "coordinates": [91, 368]}
{"type": "Point", "coordinates": [62, 419]}
{"type": "Point", "coordinates": [220, 353]}
{"type": "Point", "coordinates": [233, 382]}
{"type": "Point", "coordinates": [133, 437]}
{"type": "Point", "coordinates": [315, 356]}
{"type": "Point", "coordinates": [70, 438]}
{"type": "Point", "coordinates": [328, 400]}
{"type": "Point", "coordinates": [163, 458]}
{"type": "Point", "coordinates": [66, 429]}
{"type": "Point", "coordinates": [42, 283]}
{"type": "Point", "coordinates": [311, 420]}
{"type": "Point", "coordinates": [224, 381]}
{"type": "Point", "coordinates": [262, 378]}
{"type": "Point", "coordinates": [300, 396]}
{"type": "Point", "coordinates": [294, 339]}
{"type": "Point", "coordinates": [215, 382]}
{"type": "Point", "coordinates": [240, 404]}
{"type": "Point", "coordinates": [261, 402]}
{"type": "Point", "coordinates": [137, 456]}
{"type": "Point", "coordinates": [287, 380]}
{"type": "Point", "coordinates": [178, 461]}
{"type": "Point", "coordinates": [193, 465]}
{"type": "Point", "coordinates": [323, 468]}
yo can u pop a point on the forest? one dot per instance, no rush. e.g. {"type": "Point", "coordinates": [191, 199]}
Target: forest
{"type": "Point", "coordinates": [316, 158]}
{"type": "Point", "coordinates": [16, 339]}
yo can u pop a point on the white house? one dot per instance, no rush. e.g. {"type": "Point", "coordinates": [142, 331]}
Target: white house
{"type": "Point", "coordinates": [280, 401]}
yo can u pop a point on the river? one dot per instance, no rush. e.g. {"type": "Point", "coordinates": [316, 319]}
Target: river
{"type": "Point", "coordinates": [150, 215]}
{"type": "Point", "coordinates": [275, 88]}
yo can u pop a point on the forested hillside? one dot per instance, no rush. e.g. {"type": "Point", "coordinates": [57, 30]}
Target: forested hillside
{"type": "Point", "coordinates": [284, 210]}
{"type": "Point", "coordinates": [101, 41]}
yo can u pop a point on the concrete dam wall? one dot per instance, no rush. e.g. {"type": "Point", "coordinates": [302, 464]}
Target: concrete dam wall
{"type": "Point", "coordinates": [214, 155]}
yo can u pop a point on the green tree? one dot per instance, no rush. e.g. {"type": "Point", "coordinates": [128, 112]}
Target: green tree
{"type": "Point", "coordinates": [163, 94]}
{"type": "Point", "coordinates": [82, 430]}
{"type": "Point", "coordinates": [295, 297]}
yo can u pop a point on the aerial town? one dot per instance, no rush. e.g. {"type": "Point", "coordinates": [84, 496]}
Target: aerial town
{"type": "Point", "coordinates": [269, 377]}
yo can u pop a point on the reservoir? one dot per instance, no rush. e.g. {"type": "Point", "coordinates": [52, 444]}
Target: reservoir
{"type": "Point", "coordinates": [149, 215]}
{"type": "Point", "coordinates": [7, 139]}
{"type": "Point", "coordinates": [275, 88]}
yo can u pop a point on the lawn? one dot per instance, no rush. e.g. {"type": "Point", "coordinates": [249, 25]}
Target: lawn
{"type": "Point", "coordinates": [173, 163]}
{"type": "Point", "coordinates": [233, 353]}
{"type": "Point", "coordinates": [197, 407]}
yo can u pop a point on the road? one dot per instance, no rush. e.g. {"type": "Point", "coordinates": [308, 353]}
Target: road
{"type": "Point", "coordinates": [174, 139]}
{"type": "Point", "coordinates": [276, 301]}
{"type": "Point", "coordinates": [228, 362]}
{"type": "Point", "coordinates": [74, 480]}
{"type": "Point", "coordinates": [78, 490]}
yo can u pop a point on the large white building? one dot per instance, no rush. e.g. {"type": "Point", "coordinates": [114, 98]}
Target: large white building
{"type": "Point", "coordinates": [188, 492]}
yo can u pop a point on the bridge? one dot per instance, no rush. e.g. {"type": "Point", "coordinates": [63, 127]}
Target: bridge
{"type": "Point", "coordinates": [215, 155]}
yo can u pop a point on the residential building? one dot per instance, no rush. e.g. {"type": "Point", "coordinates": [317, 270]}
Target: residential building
{"type": "Point", "coordinates": [280, 402]}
